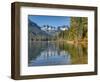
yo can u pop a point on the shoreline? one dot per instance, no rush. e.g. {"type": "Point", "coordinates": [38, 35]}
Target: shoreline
{"type": "Point", "coordinates": [67, 41]}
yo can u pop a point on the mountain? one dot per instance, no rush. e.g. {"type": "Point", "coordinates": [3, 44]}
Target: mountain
{"type": "Point", "coordinates": [46, 32]}
{"type": "Point", "coordinates": [35, 32]}
{"type": "Point", "coordinates": [33, 27]}
{"type": "Point", "coordinates": [51, 30]}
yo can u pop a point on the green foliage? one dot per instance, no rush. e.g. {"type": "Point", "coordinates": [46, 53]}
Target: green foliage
{"type": "Point", "coordinates": [78, 52]}
{"type": "Point", "coordinates": [77, 31]}
{"type": "Point", "coordinates": [63, 34]}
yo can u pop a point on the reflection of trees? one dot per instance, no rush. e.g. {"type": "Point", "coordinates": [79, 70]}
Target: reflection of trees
{"type": "Point", "coordinates": [78, 52]}
{"type": "Point", "coordinates": [35, 49]}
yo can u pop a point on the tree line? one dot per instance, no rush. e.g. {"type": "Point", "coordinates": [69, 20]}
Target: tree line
{"type": "Point", "coordinates": [78, 30]}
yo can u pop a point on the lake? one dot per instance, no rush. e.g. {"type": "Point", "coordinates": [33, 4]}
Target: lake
{"type": "Point", "coordinates": [46, 53]}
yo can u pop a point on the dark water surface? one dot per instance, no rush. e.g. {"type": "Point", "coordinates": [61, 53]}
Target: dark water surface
{"type": "Point", "coordinates": [44, 53]}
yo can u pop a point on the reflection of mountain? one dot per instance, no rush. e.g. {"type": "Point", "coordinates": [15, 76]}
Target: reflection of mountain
{"type": "Point", "coordinates": [43, 53]}
{"type": "Point", "coordinates": [35, 48]}
{"type": "Point", "coordinates": [46, 53]}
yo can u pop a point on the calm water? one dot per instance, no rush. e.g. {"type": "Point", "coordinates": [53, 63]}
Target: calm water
{"type": "Point", "coordinates": [43, 53]}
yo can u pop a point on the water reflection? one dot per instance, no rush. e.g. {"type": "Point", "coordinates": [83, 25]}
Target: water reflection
{"type": "Point", "coordinates": [43, 53]}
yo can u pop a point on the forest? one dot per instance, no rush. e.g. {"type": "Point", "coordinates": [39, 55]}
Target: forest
{"type": "Point", "coordinates": [77, 32]}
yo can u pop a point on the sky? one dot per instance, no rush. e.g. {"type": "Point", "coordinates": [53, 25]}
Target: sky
{"type": "Point", "coordinates": [50, 20]}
